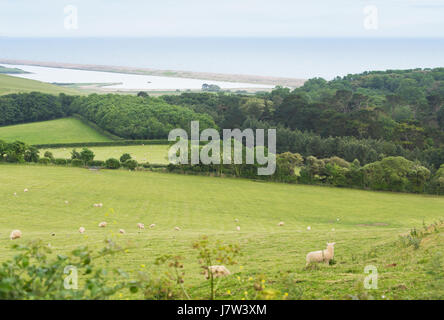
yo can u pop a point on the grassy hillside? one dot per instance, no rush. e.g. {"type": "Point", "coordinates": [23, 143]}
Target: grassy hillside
{"type": "Point", "coordinates": [365, 226]}
{"type": "Point", "coordinates": [149, 153]}
{"type": "Point", "coordinates": [10, 84]}
{"type": "Point", "coordinates": [53, 131]}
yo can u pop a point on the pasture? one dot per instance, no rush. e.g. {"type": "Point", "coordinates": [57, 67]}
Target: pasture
{"type": "Point", "coordinates": [63, 130]}
{"type": "Point", "coordinates": [365, 226]}
{"type": "Point", "coordinates": [157, 154]}
{"type": "Point", "coordinates": [11, 84]}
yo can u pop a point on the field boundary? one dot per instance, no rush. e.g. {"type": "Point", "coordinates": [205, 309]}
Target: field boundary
{"type": "Point", "coordinates": [102, 144]}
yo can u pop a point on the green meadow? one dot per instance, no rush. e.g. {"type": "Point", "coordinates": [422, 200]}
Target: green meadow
{"type": "Point", "coordinates": [157, 154]}
{"type": "Point", "coordinates": [63, 130]}
{"type": "Point", "coordinates": [366, 227]}
{"type": "Point", "coordinates": [11, 84]}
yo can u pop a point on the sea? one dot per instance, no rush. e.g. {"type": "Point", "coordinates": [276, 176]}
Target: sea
{"type": "Point", "coordinates": [301, 58]}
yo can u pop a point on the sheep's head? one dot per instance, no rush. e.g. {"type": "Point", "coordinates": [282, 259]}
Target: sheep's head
{"type": "Point", "coordinates": [330, 244]}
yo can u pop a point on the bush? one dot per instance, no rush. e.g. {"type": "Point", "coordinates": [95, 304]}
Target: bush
{"type": "Point", "coordinates": [44, 160]}
{"type": "Point", "coordinates": [96, 163]}
{"type": "Point", "coordinates": [125, 157]}
{"type": "Point", "coordinates": [60, 161]}
{"type": "Point", "coordinates": [395, 174]}
{"type": "Point", "coordinates": [112, 163]}
{"type": "Point", "coordinates": [49, 155]}
{"type": "Point", "coordinates": [36, 273]}
{"type": "Point", "coordinates": [87, 155]}
{"type": "Point", "coordinates": [77, 163]}
{"type": "Point", "coordinates": [130, 164]}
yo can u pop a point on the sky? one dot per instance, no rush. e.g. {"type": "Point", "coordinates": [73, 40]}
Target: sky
{"type": "Point", "coordinates": [222, 18]}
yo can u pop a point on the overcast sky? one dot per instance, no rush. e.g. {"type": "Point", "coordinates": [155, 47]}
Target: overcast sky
{"type": "Point", "coordinates": [244, 18]}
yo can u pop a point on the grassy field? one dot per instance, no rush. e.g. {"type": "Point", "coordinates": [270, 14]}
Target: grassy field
{"type": "Point", "coordinates": [10, 84]}
{"type": "Point", "coordinates": [365, 226]}
{"type": "Point", "coordinates": [149, 153]}
{"type": "Point", "coordinates": [54, 131]}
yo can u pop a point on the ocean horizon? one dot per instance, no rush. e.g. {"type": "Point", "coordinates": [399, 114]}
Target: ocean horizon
{"type": "Point", "coordinates": [301, 58]}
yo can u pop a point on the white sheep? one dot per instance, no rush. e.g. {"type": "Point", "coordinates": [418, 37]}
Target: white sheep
{"type": "Point", "coordinates": [308, 228]}
{"type": "Point", "coordinates": [152, 225]}
{"type": "Point", "coordinates": [81, 229]}
{"type": "Point", "coordinates": [15, 234]}
{"type": "Point", "coordinates": [238, 228]}
{"type": "Point", "coordinates": [66, 201]}
{"type": "Point", "coordinates": [217, 271]}
{"type": "Point", "coordinates": [26, 190]}
{"type": "Point", "coordinates": [121, 231]}
{"type": "Point", "coordinates": [102, 224]}
{"type": "Point", "coordinates": [322, 255]}
{"type": "Point", "coordinates": [281, 224]}
{"type": "Point", "coordinates": [15, 193]}
{"type": "Point", "coordinates": [140, 226]}
{"type": "Point", "coordinates": [177, 228]}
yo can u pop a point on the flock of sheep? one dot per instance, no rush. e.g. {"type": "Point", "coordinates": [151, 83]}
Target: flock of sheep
{"type": "Point", "coordinates": [218, 271]}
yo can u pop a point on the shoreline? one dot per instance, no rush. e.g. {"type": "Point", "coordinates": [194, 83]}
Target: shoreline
{"type": "Point", "coordinates": [242, 78]}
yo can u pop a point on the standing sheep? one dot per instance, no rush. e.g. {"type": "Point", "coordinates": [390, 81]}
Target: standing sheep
{"type": "Point", "coordinates": [15, 234]}
{"type": "Point", "coordinates": [140, 226]}
{"type": "Point", "coordinates": [102, 224]}
{"type": "Point", "coordinates": [322, 255]}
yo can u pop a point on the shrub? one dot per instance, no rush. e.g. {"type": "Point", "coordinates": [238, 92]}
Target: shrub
{"type": "Point", "coordinates": [125, 157]}
{"type": "Point", "coordinates": [112, 163]}
{"type": "Point", "coordinates": [61, 162]}
{"type": "Point", "coordinates": [49, 155]}
{"type": "Point", "coordinates": [86, 155]}
{"type": "Point", "coordinates": [96, 163]}
{"type": "Point", "coordinates": [77, 163]}
{"type": "Point", "coordinates": [35, 273]}
{"type": "Point", "coordinates": [44, 160]}
{"type": "Point", "coordinates": [130, 164]}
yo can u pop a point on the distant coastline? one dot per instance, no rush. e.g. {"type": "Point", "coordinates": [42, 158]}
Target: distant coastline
{"type": "Point", "coordinates": [253, 79]}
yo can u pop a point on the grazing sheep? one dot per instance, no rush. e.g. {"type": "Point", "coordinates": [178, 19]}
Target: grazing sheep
{"type": "Point", "coordinates": [102, 224]}
{"type": "Point", "coordinates": [152, 225]}
{"type": "Point", "coordinates": [308, 228]}
{"type": "Point", "coordinates": [280, 224]}
{"type": "Point", "coordinates": [140, 226]}
{"type": "Point", "coordinates": [217, 271]}
{"type": "Point", "coordinates": [177, 228]}
{"type": "Point", "coordinates": [15, 234]}
{"type": "Point", "coordinates": [236, 220]}
{"type": "Point", "coordinates": [15, 193]}
{"type": "Point", "coordinates": [66, 201]}
{"type": "Point", "coordinates": [238, 228]}
{"type": "Point", "coordinates": [26, 190]}
{"type": "Point", "coordinates": [121, 231]}
{"type": "Point", "coordinates": [322, 255]}
{"type": "Point", "coordinates": [81, 229]}
{"type": "Point", "coordinates": [100, 205]}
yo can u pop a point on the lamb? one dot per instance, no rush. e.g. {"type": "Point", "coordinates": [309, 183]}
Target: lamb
{"type": "Point", "coordinates": [152, 225]}
{"type": "Point", "coordinates": [15, 234]}
{"type": "Point", "coordinates": [140, 226]}
{"type": "Point", "coordinates": [81, 229]}
{"type": "Point", "coordinates": [217, 271]}
{"type": "Point", "coordinates": [102, 224]}
{"type": "Point", "coordinates": [322, 255]}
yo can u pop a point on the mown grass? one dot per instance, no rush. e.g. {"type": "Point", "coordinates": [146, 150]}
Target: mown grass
{"type": "Point", "coordinates": [11, 84]}
{"type": "Point", "coordinates": [365, 226]}
{"type": "Point", "coordinates": [54, 131]}
{"type": "Point", "coordinates": [157, 154]}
